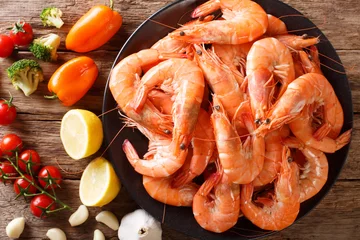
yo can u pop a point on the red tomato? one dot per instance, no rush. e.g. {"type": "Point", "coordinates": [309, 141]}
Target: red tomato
{"type": "Point", "coordinates": [10, 144]}
{"type": "Point", "coordinates": [40, 203]}
{"type": "Point", "coordinates": [8, 169]}
{"type": "Point", "coordinates": [44, 177]}
{"type": "Point", "coordinates": [6, 46]}
{"type": "Point", "coordinates": [25, 185]}
{"type": "Point", "coordinates": [29, 156]}
{"type": "Point", "coordinates": [7, 109]}
{"type": "Point", "coordinates": [21, 33]}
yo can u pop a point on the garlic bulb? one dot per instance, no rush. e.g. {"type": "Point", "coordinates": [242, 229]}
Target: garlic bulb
{"type": "Point", "coordinates": [79, 216]}
{"type": "Point", "coordinates": [139, 225]}
{"type": "Point", "coordinates": [109, 219]}
{"type": "Point", "coordinates": [56, 234]}
{"type": "Point", "coordinates": [15, 228]}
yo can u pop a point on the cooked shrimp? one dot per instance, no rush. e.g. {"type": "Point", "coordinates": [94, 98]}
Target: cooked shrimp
{"type": "Point", "coordinates": [315, 171]}
{"type": "Point", "coordinates": [273, 156]}
{"type": "Point", "coordinates": [275, 26]}
{"type": "Point", "coordinates": [244, 22]}
{"type": "Point", "coordinates": [298, 65]}
{"type": "Point", "coordinates": [161, 101]}
{"type": "Point", "coordinates": [123, 80]}
{"type": "Point", "coordinates": [216, 206]}
{"type": "Point", "coordinates": [203, 144]}
{"type": "Point", "coordinates": [267, 58]}
{"type": "Point", "coordinates": [185, 80]}
{"type": "Point", "coordinates": [295, 42]}
{"type": "Point", "coordinates": [280, 211]}
{"type": "Point", "coordinates": [242, 162]}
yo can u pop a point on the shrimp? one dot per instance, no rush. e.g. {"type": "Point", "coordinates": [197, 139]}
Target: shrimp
{"type": "Point", "coordinates": [315, 173]}
{"type": "Point", "coordinates": [275, 26]}
{"type": "Point", "coordinates": [244, 22]}
{"type": "Point", "coordinates": [241, 162]}
{"type": "Point", "coordinates": [298, 64]}
{"type": "Point", "coordinates": [185, 80]}
{"type": "Point", "coordinates": [295, 42]}
{"type": "Point", "coordinates": [123, 80]}
{"type": "Point", "coordinates": [161, 101]}
{"type": "Point", "coordinates": [273, 156]}
{"type": "Point", "coordinates": [203, 147]}
{"type": "Point", "coordinates": [267, 58]}
{"type": "Point", "coordinates": [281, 210]}
{"type": "Point", "coordinates": [219, 211]}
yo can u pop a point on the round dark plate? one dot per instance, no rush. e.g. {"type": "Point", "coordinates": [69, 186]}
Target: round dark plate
{"type": "Point", "coordinates": [182, 219]}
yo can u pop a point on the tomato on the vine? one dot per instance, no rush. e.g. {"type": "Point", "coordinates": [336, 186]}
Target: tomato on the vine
{"type": "Point", "coordinates": [6, 46]}
{"type": "Point", "coordinates": [21, 33]}
{"type": "Point", "coordinates": [11, 143]}
{"type": "Point", "coordinates": [23, 185]}
{"type": "Point", "coordinates": [31, 157]}
{"type": "Point", "coordinates": [8, 169]}
{"type": "Point", "coordinates": [39, 204]}
{"type": "Point", "coordinates": [7, 109]}
{"type": "Point", "coordinates": [49, 177]}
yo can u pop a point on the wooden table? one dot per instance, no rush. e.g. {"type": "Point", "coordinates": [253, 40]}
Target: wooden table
{"type": "Point", "coordinates": [38, 121]}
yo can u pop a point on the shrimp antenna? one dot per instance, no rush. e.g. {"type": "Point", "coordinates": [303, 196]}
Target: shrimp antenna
{"type": "Point", "coordinates": [114, 138]}
{"type": "Point", "coordinates": [180, 19]}
{"type": "Point", "coordinates": [67, 172]}
{"type": "Point", "coordinates": [163, 216]}
{"type": "Point", "coordinates": [162, 24]}
{"type": "Point", "coordinates": [258, 235]}
{"type": "Point", "coordinates": [108, 111]}
{"type": "Point", "coordinates": [323, 55]}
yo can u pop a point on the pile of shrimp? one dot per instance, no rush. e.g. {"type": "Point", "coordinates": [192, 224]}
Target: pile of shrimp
{"type": "Point", "coordinates": [258, 146]}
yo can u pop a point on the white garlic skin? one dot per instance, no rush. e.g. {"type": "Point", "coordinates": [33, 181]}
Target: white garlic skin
{"type": "Point", "coordinates": [15, 227]}
{"type": "Point", "coordinates": [98, 235]}
{"type": "Point", "coordinates": [79, 216]}
{"type": "Point", "coordinates": [56, 234]}
{"type": "Point", "coordinates": [109, 219]}
{"type": "Point", "coordinates": [139, 225]}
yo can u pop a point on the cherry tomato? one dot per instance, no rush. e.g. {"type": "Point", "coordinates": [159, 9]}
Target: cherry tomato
{"type": "Point", "coordinates": [10, 144]}
{"type": "Point", "coordinates": [6, 46]}
{"type": "Point", "coordinates": [40, 203]}
{"type": "Point", "coordinates": [29, 156]}
{"type": "Point", "coordinates": [8, 169]}
{"type": "Point", "coordinates": [7, 110]}
{"type": "Point", "coordinates": [24, 184]}
{"type": "Point", "coordinates": [44, 178]}
{"type": "Point", "coordinates": [21, 33]}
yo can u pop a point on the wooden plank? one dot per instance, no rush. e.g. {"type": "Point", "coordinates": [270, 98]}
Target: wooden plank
{"type": "Point", "coordinates": [337, 212]}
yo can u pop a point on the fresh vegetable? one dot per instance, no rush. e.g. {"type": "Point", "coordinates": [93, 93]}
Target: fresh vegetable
{"type": "Point", "coordinates": [72, 80]}
{"type": "Point", "coordinates": [109, 219]}
{"type": "Point", "coordinates": [21, 33]}
{"type": "Point", "coordinates": [6, 169]}
{"type": "Point", "coordinates": [22, 185]}
{"type": "Point", "coordinates": [26, 75]}
{"type": "Point", "coordinates": [49, 177]}
{"type": "Point", "coordinates": [15, 228]}
{"type": "Point", "coordinates": [6, 46]}
{"type": "Point", "coordinates": [56, 234]}
{"type": "Point", "coordinates": [45, 47]}
{"type": "Point", "coordinates": [7, 111]}
{"type": "Point", "coordinates": [51, 16]}
{"type": "Point", "coordinates": [79, 216]}
{"type": "Point", "coordinates": [94, 29]}
{"type": "Point", "coordinates": [29, 159]}
{"type": "Point", "coordinates": [89, 135]}
{"type": "Point", "coordinates": [41, 204]}
{"type": "Point", "coordinates": [98, 235]}
{"type": "Point", "coordinates": [11, 143]}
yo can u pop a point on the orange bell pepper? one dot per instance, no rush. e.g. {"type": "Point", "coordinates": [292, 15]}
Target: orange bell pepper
{"type": "Point", "coordinates": [72, 80]}
{"type": "Point", "coordinates": [94, 29]}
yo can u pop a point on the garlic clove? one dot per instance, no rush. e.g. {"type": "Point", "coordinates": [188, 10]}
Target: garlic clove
{"type": "Point", "coordinates": [79, 216]}
{"type": "Point", "coordinates": [15, 228]}
{"type": "Point", "coordinates": [98, 235]}
{"type": "Point", "coordinates": [56, 234]}
{"type": "Point", "coordinates": [139, 225]}
{"type": "Point", "coordinates": [109, 219]}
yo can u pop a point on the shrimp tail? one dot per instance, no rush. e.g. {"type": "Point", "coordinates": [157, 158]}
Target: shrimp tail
{"type": "Point", "coordinates": [130, 152]}
{"type": "Point", "coordinates": [210, 183]}
{"type": "Point", "coordinates": [322, 132]}
{"type": "Point", "coordinates": [293, 142]}
{"type": "Point", "coordinates": [139, 101]}
{"type": "Point", "coordinates": [343, 139]}
{"type": "Point", "coordinates": [183, 178]}
{"type": "Point", "coordinates": [206, 8]}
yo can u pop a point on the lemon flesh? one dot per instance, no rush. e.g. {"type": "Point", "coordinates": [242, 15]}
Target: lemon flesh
{"type": "Point", "coordinates": [81, 133]}
{"type": "Point", "coordinates": [99, 184]}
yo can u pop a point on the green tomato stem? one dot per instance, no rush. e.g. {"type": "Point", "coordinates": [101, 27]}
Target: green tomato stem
{"type": "Point", "coordinates": [112, 4]}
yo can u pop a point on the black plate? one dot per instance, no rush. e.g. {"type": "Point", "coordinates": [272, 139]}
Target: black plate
{"type": "Point", "coordinates": [181, 219]}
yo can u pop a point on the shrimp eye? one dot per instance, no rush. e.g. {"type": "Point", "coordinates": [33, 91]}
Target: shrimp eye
{"type": "Point", "coordinates": [167, 131]}
{"type": "Point", "coordinates": [305, 36]}
{"type": "Point", "coordinates": [267, 121]}
{"type": "Point", "coordinates": [182, 33]}
{"type": "Point", "coordinates": [257, 121]}
{"type": "Point", "coordinates": [182, 146]}
{"type": "Point", "coordinates": [217, 108]}
{"type": "Point", "coordinates": [201, 18]}
{"type": "Point", "coordinates": [290, 159]}
{"type": "Point", "coordinates": [199, 52]}
{"type": "Point", "coordinates": [310, 57]}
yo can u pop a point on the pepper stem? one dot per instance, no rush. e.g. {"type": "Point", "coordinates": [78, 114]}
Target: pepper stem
{"type": "Point", "coordinates": [112, 4]}
{"type": "Point", "coordinates": [53, 96]}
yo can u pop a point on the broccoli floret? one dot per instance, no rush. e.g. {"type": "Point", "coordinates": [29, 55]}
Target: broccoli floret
{"type": "Point", "coordinates": [26, 75]}
{"type": "Point", "coordinates": [51, 16]}
{"type": "Point", "coordinates": [45, 47]}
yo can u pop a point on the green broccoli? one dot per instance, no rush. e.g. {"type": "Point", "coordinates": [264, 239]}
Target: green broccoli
{"type": "Point", "coordinates": [45, 47]}
{"type": "Point", "coordinates": [26, 75]}
{"type": "Point", "coordinates": [51, 16]}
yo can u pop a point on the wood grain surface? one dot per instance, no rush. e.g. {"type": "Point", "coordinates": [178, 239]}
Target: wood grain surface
{"type": "Point", "coordinates": [38, 121]}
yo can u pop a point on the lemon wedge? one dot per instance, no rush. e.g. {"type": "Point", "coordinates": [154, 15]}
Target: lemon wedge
{"type": "Point", "coordinates": [81, 133]}
{"type": "Point", "coordinates": [99, 184]}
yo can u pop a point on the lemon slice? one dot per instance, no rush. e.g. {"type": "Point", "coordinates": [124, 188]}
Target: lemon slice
{"type": "Point", "coordinates": [81, 133]}
{"type": "Point", "coordinates": [99, 184]}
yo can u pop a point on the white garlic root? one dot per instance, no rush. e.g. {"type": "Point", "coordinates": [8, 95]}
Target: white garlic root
{"type": "Point", "coordinates": [15, 228]}
{"type": "Point", "coordinates": [98, 235]}
{"type": "Point", "coordinates": [79, 216]}
{"type": "Point", "coordinates": [139, 225]}
{"type": "Point", "coordinates": [109, 219]}
{"type": "Point", "coordinates": [56, 234]}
